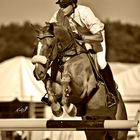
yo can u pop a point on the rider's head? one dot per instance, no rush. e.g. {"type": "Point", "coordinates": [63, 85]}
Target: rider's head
{"type": "Point", "coordinates": [68, 6]}
{"type": "Point", "coordinates": [65, 3]}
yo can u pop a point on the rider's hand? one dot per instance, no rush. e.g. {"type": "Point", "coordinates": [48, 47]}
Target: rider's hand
{"type": "Point", "coordinates": [77, 36]}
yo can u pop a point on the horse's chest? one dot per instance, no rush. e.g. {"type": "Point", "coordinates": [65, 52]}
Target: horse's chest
{"type": "Point", "coordinates": [78, 67]}
{"type": "Point", "coordinates": [81, 75]}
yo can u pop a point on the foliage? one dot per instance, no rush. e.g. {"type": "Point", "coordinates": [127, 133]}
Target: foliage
{"type": "Point", "coordinates": [123, 41]}
{"type": "Point", "coordinates": [16, 40]}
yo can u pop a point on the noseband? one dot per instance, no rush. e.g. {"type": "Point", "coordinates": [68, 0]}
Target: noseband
{"type": "Point", "coordinates": [44, 35]}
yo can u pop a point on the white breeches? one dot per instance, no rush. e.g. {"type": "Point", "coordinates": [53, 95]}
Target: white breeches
{"type": "Point", "coordinates": [101, 56]}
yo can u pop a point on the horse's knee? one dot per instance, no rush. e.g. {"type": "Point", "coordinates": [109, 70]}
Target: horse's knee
{"type": "Point", "coordinates": [66, 78]}
{"type": "Point", "coordinates": [66, 89]}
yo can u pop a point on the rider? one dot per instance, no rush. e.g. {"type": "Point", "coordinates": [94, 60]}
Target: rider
{"type": "Point", "coordinates": [79, 15]}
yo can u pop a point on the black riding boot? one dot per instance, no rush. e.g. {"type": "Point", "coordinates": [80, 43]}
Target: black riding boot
{"type": "Point", "coordinates": [111, 85]}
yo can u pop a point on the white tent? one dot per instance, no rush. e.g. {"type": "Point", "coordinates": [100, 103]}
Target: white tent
{"type": "Point", "coordinates": [17, 81]}
{"type": "Point", "coordinates": [127, 77]}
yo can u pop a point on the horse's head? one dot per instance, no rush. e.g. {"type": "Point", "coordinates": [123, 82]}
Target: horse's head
{"type": "Point", "coordinates": [52, 40]}
{"type": "Point", "coordinates": [46, 51]}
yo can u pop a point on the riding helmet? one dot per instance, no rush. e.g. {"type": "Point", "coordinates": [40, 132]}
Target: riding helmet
{"type": "Point", "coordinates": [65, 3]}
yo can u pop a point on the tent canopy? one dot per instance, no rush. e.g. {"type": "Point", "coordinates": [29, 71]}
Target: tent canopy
{"type": "Point", "coordinates": [17, 81]}
{"type": "Point", "coordinates": [128, 80]}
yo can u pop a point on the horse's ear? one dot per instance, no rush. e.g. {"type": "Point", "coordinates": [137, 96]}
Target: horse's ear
{"type": "Point", "coordinates": [51, 27]}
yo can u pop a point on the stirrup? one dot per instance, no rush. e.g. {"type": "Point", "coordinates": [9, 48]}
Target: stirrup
{"type": "Point", "coordinates": [45, 100]}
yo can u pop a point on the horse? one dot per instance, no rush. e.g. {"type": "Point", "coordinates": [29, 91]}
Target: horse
{"type": "Point", "coordinates": [74, 84]}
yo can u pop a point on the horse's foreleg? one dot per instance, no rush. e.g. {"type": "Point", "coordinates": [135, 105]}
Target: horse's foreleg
{"type": "Point", "coordinates": [52, 99]}
{"type": "Point", "coordinates": [66, 89]}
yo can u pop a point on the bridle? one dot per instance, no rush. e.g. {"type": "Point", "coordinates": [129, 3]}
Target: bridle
{"type": "Point", "coordinates": [44, 35]}
{"type": "Point", "coordinates": [41, 37]}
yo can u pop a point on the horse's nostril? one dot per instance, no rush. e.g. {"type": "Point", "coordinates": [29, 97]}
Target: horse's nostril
{"type": "Point", "coordinates": [42, 72]}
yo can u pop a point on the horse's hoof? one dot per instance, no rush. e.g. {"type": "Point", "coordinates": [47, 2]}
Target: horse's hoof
{"type": "Point", "coordinates": [46, 101]}
{"type": "Point", "coordinates": [71, 110]}
{"type": "Point", "coordinates": [56, 109]}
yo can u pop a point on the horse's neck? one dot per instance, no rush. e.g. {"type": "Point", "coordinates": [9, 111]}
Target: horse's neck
{"type": "Point", "coordinates": [73, 48]}
{"type": "Point", "coordinates": [68, 45]}
{"type": "Point", "coordinates": [62, 19]}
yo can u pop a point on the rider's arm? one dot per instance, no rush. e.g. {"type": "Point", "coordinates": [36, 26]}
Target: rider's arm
{"type": "Point", "coordinates": [93, 24]}
{"type": "Point", "coordinates": [93, 37]}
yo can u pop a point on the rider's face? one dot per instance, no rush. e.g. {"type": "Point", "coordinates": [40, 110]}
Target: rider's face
{"type": "Point", "coordinates": [68, 10]}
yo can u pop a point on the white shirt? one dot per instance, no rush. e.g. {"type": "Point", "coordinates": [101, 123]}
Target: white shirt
{"type": "Point", "coordinates": [83, 15]}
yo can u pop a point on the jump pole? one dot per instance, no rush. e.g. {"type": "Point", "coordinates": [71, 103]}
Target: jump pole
{"type": "Point", "coordinates": [66, 125]}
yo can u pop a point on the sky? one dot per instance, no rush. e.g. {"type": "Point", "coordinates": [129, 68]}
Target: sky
{"type": "Point", "coordinates": [39, 11]}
